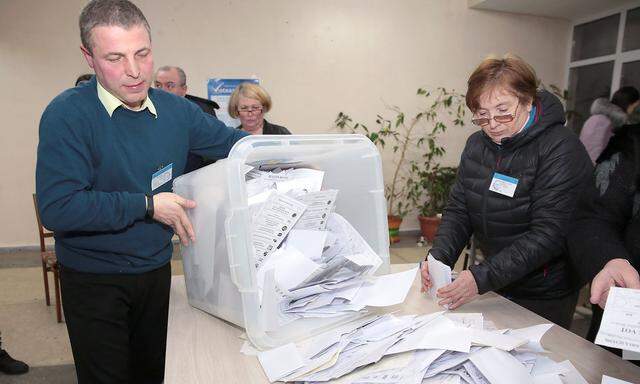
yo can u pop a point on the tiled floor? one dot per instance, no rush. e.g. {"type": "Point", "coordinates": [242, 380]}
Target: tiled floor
{"type": "Point", "coordinates": [29, 328]}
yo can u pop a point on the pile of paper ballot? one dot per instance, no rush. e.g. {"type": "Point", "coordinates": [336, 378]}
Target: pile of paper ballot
{"type": "Point", "coordinates": [310, 262]}
{"type": "Point", "coordinates": [435, 348]}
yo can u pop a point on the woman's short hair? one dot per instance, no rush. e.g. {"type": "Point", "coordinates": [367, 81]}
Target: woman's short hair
{"type": "Point", "coordinates": [250, 91]}
{"type": "Point", "coordinates": [624, 97]}
{"type": "Point", "coordinates": [509, 72]}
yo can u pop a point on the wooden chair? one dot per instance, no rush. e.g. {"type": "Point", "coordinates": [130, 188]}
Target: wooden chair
{"type": "Point", "coordinates": [470, 253]}
{"type": "Point", "coordinates": [49, 264]}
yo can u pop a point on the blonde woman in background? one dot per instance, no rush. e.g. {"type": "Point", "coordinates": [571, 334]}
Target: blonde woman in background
{"type": "Point", "coordinates": [250, 102]}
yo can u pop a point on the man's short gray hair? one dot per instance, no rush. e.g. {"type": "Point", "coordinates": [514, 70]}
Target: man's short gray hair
{"type": "Point", "coordinates": [122, 13]}
{"type": "Point", "coordinates": [181, 75]}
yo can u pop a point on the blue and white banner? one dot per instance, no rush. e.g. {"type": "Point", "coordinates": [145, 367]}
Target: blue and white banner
{"type": "Point", "coordinates": [220, 90]}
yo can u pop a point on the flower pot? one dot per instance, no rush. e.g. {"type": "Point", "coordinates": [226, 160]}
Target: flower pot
{"type": "Point", "coordinates": [429, 226]}
{"type": "Point", "coordinates": [394, 228]}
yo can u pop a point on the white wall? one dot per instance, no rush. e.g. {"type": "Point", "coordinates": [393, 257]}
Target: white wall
{"type": "Point", "coordinates": [316, 58]}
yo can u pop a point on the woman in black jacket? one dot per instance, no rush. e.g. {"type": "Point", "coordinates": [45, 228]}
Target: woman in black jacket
{"type": "Point", "coordinates": [250, 102]}
{"type": "Point", "coordinates": [517, 185]}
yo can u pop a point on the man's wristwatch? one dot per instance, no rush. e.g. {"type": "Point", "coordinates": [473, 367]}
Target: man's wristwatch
{"type": "Point", "coordinates": [149, 212]}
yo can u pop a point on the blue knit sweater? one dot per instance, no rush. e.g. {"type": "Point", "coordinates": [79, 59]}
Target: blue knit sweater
{"type": "Point", "coordinates": [93, 172]}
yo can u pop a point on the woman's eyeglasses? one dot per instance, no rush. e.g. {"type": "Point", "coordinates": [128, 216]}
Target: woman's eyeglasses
{"type": "Point", "coordinates": [250, 109]}
{"type": "Point", "coordinates": [502, 119]}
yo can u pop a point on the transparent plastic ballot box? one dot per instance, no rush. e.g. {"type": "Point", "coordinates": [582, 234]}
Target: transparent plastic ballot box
{"type": "Point", "coordinates": [219, 266]}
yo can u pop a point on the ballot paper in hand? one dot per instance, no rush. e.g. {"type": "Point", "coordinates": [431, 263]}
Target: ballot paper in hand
{"type": "Point", "coordinates": [620, 326]}
{"type": "Point", "coordinates": [440, 275]}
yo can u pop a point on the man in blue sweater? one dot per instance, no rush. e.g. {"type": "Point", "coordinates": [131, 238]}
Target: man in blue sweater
{"type": "Point", "coordinates": [108, 152]}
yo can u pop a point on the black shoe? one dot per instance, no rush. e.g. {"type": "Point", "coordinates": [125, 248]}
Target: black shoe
{"type": "Point", "coordinates": [10, 366]}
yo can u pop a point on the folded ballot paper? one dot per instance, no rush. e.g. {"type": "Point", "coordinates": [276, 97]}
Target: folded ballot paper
{"type": "Point", "coordinates": [440, 275]}
{"type": "Point", "coordinates": [311, 262]}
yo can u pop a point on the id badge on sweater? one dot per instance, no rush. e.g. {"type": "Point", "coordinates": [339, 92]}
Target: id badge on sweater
{"type": "Point", "coordinates": [161, 176]}
{"type": "Point", "coordinates": [503, 184]}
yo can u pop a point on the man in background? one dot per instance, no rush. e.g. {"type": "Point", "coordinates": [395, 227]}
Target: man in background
{"type": "Point", "coordinates": [173, 80]}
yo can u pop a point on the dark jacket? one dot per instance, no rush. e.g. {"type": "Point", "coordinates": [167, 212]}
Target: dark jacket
{"type": "Point", "coordinates": [272, 129]}
{"type": "Point", "coordinates": [208, 106]}
{"type": "Point", "coordinates": [522, 238]}
{"type": "Point", "coordinates": [607, 223]}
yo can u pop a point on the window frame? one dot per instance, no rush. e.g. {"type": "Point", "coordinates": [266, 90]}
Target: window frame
{"type": "Point", "coordinates": [619, 58]}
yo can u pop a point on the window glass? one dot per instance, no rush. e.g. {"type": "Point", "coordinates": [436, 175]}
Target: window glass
{"type": "Point", "coordinates": [587, 83]}
{"type": "Point", "coordinates": [596, 38]}
{"type": "Point", "coordinates": [631, 39]}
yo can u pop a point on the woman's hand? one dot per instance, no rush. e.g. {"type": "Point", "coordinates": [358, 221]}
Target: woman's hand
{"type": "Point", "coordinates": [424, 273]}
{"type": "Point", "coordinates": [461, 291]}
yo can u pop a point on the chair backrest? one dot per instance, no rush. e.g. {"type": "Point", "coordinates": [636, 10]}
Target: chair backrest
{"type": "Point", "coordinates": [42, 231]}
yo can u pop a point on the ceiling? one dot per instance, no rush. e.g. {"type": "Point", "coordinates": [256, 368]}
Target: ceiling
{"type": "Point", "coordinates": [562, 9]}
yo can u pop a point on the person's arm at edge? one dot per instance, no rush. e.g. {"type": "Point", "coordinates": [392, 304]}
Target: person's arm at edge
{"type": "Point", "coordinates": [595, 237]}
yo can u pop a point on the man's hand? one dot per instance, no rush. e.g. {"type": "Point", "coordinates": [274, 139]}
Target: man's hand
{"type": "Point", "coordinates": [461, 291]}
{"type": "Point", "coordinates": [169, 209]}
{"type": "Point", "coordinates": [616, 273]}
{"type": "Point", "coordinates": [424, 273]}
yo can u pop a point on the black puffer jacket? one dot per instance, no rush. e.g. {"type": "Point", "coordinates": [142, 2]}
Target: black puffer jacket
{"type": "Point", "coordinates": [522, 238]}
{"type": "Point", "coordinates": [607, 224]}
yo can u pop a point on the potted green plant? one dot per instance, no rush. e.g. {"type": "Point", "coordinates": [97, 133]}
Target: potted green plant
{"type": "Point", "coordinates": [402, 136]}
{"type": "Point", "coordinates": [429, 184]}
{"type": "Point", "coordinates": [429, 192]}
{"type": "Point", "coordinates": [408, 137]}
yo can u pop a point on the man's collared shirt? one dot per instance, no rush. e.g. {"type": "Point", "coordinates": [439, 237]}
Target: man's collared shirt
{"type": "Point", "coordinates": [111, 103]}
